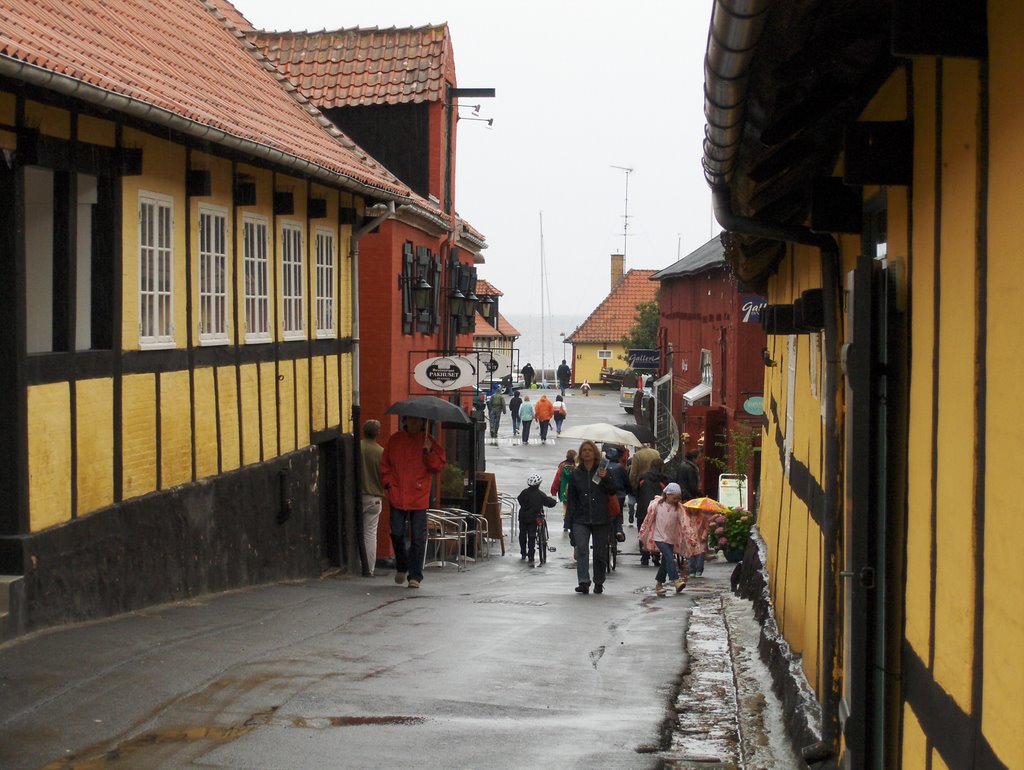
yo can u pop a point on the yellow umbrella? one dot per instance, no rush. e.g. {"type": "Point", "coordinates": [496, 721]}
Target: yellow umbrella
{"type": "Point", "coordinates": [706, 504]}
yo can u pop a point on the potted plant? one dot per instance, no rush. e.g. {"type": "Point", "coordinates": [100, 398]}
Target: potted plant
{"type": "Point", "coordinates": [729, 532]}
{"type": "Point", "coordinates": [453, 485]}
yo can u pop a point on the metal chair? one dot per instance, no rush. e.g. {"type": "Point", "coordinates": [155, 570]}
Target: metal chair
{"type": "Point", "coordinates": [509, 507]}
{"type": "Point", "coordinates": [445, 532]}
{"type": "Point", "coordinates": [477, 532]}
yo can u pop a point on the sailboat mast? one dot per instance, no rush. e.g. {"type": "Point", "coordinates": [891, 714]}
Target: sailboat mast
{"type": "Point", "coordinates": [543, 331]}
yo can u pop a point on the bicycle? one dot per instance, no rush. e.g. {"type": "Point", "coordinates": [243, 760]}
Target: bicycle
{"type": "Point", "coordinates": [542, 539]}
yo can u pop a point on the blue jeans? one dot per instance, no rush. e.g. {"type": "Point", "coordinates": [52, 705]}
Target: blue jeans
{"type": "Point", "coordinates": [544, 425]}
{"type": "Point", "coordinates": [668, 563]}
{"type": "Point", "coordinates": [583, 534]}
{"type": "Point", "coordinates": [695, 564]}
{"type": "Point", "coordinates": [495, 421]}
{"type": "Point", "coordinates": [516, 423]}
{"type": "Point", "coordinates": [558, 424]}
{"type": "Point", "coordinates": [409, 554]}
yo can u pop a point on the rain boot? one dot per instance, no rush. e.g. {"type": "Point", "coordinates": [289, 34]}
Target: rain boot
{"type": "Point", "coordinates": [659, 589]}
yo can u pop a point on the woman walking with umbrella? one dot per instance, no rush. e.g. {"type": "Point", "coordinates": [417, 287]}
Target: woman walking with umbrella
{"type": "Point", "coordinates": [409, 460]}
{"type": "Point", "coordinates": [589, 519]}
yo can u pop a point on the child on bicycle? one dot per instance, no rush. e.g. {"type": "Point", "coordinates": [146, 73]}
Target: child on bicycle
{"type": "Point", "coordinates": [532, 503]}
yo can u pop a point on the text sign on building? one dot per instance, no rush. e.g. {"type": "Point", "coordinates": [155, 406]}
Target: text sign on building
{"type": "Point", "coordinates": [495, 365]}
{"type": "Point", "coordinates": [644, 359]}
{"type": "Point", "coordinates": [751, 307]}
{"type": "Point", "coordinates": [445, 373]}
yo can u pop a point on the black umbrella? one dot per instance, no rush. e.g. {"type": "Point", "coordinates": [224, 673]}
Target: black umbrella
{"type": "Point", "coordinates": [644, 434]}
{"type": "Point", "coordinates": [429, 408]}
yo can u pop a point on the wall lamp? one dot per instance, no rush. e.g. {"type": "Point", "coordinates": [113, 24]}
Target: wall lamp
{"type": "Point", "coordinates": [458, 300]}
{"type": "Point", "coordinates": [421, 290]}
{"type": "Point", "coordinates": [486, 306]}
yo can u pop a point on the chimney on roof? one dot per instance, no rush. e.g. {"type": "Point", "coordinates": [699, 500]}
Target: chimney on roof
{"type": "Point", "coordinates": [617, 269]}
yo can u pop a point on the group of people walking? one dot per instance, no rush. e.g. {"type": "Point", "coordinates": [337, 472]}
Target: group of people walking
{"type": "Point", "coordinates": [597, 494]}
{"type": "Point", "coordinates": [525, 413]}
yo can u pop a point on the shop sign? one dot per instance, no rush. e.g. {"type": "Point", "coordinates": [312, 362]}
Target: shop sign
{"type": "Point", "coordinates": [445, 373]}
{"type": "Point", "coordinates": [751, 308]}
{"type": "Point", "coordinates": [644, 359]}
{"type": "Point", "coordinates": [754, 405]}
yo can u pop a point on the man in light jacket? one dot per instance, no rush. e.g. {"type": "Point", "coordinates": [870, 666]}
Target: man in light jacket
{"type": "Point", "coordinates": [409, 460]}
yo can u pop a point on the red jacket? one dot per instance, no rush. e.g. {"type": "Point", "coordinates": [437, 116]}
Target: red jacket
{"type": "Point", "coordinates": [405, 469]}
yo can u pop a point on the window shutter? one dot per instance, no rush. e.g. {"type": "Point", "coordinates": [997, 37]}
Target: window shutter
{"type": "Point", "coordinates": [408, 272]}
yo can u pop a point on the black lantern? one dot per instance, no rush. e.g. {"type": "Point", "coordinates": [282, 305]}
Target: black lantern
{"type": "Point", "coordinates": [458, 300]}
{"type": "Point", "coordinates": [486, 306]}
{"type": "Point", "coordinates": [470, 306]}
{"type": "Point", "coordinates": [421, 292]}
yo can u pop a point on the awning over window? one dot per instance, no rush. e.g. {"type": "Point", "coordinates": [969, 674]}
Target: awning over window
{"type": "Point", "coordinates": [696, 393]}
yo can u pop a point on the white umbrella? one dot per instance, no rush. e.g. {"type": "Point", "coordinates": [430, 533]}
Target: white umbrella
{"type": "Point", "coordinates": [601, 433]}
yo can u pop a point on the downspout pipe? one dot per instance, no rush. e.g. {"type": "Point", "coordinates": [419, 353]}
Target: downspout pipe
{"type": "Point", "coordinates": [353, 253]}
{"type": "Point", "coordinates": [832, 483]}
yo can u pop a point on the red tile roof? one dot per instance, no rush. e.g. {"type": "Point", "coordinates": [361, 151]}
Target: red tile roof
{"type": "Point", "coordinates": [488, 288]}
{"type": "Point", "coordinates": [484, 328]}
{"type": "Point", "coordinates": [180, 57]}
{"type": "Point", "coordinates": [616, 314]}
{"type": "Point", "coordinates": [360, 66]}
{"type": "Point", "coordinates": [506, 329]}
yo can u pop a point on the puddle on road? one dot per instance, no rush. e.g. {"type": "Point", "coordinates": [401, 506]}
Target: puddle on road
{"type": "Point", "coordinates": [512, 602]}
{"type": "Point", "coordinates": [322, 722]}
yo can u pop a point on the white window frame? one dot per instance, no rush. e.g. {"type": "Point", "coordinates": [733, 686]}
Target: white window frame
{"type": "Point", "coordinates": [604, 354]}
{"type": "Point", "coordinates": [256, 277]}
{"type": "Point", "coordinates": [293, 295]}
{"type": "Point", "coordinates": [156, 261]}
{"type": "Point", "coordinates": [214, 319]}
{"type": "Point", "coordinates": [325, 284]}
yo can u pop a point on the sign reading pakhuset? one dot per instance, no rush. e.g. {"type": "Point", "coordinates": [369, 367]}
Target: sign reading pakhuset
{"type": "Point", "coordinates": [445, 373]}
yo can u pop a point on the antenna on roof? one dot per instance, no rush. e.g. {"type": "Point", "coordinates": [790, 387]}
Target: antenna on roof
{"type": "Point", "coordinates": [625, 214]}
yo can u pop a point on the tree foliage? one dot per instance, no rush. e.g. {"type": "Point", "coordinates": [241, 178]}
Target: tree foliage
{"type": "Point", "coordinates": [644, 333]}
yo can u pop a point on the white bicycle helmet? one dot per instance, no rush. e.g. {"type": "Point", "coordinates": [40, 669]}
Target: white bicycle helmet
{"type": "Point", "coordinates": [534, 480]}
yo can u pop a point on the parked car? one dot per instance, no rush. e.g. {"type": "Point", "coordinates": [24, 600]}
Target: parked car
{"type": "Point", "coordinates": [627, 393]}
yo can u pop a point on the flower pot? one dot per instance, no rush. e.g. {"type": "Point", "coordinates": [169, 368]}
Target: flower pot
{"type": "Point", "coordinates": [734, 554]}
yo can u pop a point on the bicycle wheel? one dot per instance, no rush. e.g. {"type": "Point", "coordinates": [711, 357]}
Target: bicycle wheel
{"type": "Point", "coordinates": [542, 542]}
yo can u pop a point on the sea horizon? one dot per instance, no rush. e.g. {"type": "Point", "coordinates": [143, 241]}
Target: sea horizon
{"type": "Point", "coordinates": [540, 342]}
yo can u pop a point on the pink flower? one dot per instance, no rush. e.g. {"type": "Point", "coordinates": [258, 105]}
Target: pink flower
{"type": "Point", "coordinates": [723, 540]}
{"type": "Point", "coordinates": [720, 530]}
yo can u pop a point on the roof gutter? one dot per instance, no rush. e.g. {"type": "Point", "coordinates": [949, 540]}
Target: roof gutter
{"type": "Point", "coordinates": [101, 97]}
{"type": "Point", "coordinates": [733, 38]}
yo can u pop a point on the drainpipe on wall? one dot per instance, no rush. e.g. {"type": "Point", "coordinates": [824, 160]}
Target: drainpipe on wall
{"type": "Point", "coordinates": [832, 483]}
{"type": "Point", "coordinates": [353, 253]}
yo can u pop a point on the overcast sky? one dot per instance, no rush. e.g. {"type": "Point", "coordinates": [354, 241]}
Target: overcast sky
{"type": "Point", "coordinates": [581, 87]}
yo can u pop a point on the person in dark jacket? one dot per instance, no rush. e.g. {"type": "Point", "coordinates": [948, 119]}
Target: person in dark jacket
{"type": "Point", "coordinates": [528, 374]}
{"type": "Point", "coordinates": [650, 484]}
{"type": "Point", "coordinates": [532, 503]}
{"type": "Point", "coordinates": [589, 520]}
{"type": "Point", "coordinates": [513, 407]}
{"type": "Point", "coordinates": [620, 478]}
{"type": "Point", "coordinates": [688, 477]}
{"type": "Point", "coordinates": [564, 374]}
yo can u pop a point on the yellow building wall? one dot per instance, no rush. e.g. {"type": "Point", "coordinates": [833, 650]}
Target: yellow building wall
{"type": "Point", "coordinates": [175, 429]}
{"type": "Point", "coordinates": [915, 743]}
{"type": "Point", "coordinates": [955, 547]}
{"type": "Point", "coordinates": [250, 417]}
{"type": "Point", "coordinates": [588, 365]}
{"type": "Point", "coordinates": [268, 409]}
{"type": "Point", "coordinates": [138, 434]}
{"type": "Point", "coordinates": [302, 428]}
{"type": "Point", "coordinates": [49, 455]}
{"type": "Point", "coordinates": [206, 423]}
{"type": "Point", "coordinates": [227, 406]}
{"type": "Point", "coordinates": [94, 432]}
{"type": "Point", "coordinates": [8, 107]}
{"type": "Point", "coordinates": [333, 391]}
{"type": "Point", "coordinates": [1002, 709]}
{"type": "Point", "coordinates": [346, 392]}
{"type": "Point", "coordinates": [47, 119]}
{"type": "Point", "coordinates": [286, 406]}
{"type": "Point", "coordinates": [96, 131]}
{"type": "Point", "coordinates": [319, 391]}
{"type": "Point", "coordinates": [922, 340]}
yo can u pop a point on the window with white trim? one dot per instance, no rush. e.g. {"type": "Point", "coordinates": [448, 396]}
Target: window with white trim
{"type": "Point", "coordinates": [156, 271]}
{"type": "Point", "coordinates": [254, 259]}
{"type": "Point", "coordinates": [292, 294]}
{"type": "Point", "coordinates": [325, 283]}
{"type": "Point", "coordinates": [213, 255]}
